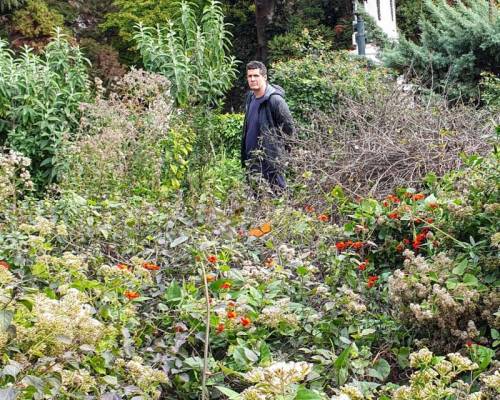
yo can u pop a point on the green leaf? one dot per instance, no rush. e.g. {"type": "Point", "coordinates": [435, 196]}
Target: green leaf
{"type": "Point", "coordinates": [451, 283]}
{"type": "Point", "coordinates": [178, 241]}
{"type": "Point", "coordinates": [251, 355]}
{"type": "Point", "coordinates": [173, 293]}
{"type": "Point", "coordinates": [342, 359]}
{"type": "Point", "coordinates": [460, 268]}
{"type": "Point", "coordinates": [381, 370]}
{"type": "Point", "coordinates": [306, 394]}
{"type": "Point", "coordinates": [265, 353]}
{"type": "Point", "coordinates": [403, 354]}
{"type": "Point", "coordinates": [5, 319]}
{"type": "Point", "coordinates": [9, 394]}
{"type": "Point", "coordinates": [110, 380]}
{"type": "Point", "coordinates": [482, 356]}
{"type": "Point", "coordinates": [470, 280]}
{"type": "Point", "coordinates": [231, 394]}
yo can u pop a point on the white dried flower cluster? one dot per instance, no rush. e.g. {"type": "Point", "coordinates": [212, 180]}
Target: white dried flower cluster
{"type": "Point", "coordinates": [492, 381]}
{"type": "Point", "coordinates": [80, 380]}
{"type": "Point", "coordinates": [6, 277]}
{"type": "Point", "coordinates": [495, 240]}
{"type": "Point", "coordinates": [14, 177]}
{"type": "Point", "coordinates": [110, 271]}
{"type": "Point", "coordinates": [420, 294]}
{"type": "Point", "coordinates": [348, 392]}
{"type": "Point", "coordinates": [4, 339]}
{"type": "Point", "coordinates": [436, 378]}
{"type": "Point", "coordinates": [255, 273]}
{"type": "Point", "coordinates": [286, 252]}
{"type": "Point", "coordinates": [68, 261]}
{"type": "Point", "coordinates": [43, 226]}
{"type": "Point", "coordinates": [56, 326]}
{"type": "Point", "coordinates": [462, 363]}
{"type": "Point", "coordinates": [350, 301]}
{"type": "Point", "coordinates": [278, 313]}
{"type": "Point", "coordinates": [322, 290]}
{"type": "Point", "coordinates": [277, 379]}
{"type": "Point", "coordinates": [460, 211]}
{"type": "Point", "coordinates": [144, 376]}
{"type": "Point", "coordinates": [421, 357]}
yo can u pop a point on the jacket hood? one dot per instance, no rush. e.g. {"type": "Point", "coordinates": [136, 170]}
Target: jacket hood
{"type": "Point", "coordinates": [273, 90]}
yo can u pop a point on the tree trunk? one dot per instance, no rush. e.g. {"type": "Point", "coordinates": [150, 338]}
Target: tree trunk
{"type": "Point", "coordinates": [264, 12]}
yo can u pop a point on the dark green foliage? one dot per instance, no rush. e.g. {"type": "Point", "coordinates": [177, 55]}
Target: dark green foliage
{"type": "Point", "coordinates": [7, 5]}
{"type": "Point", "coordinates": [226, 133]}
{"type": "Point", "coordinates": [119, 23]}
{"type": "Point", "coordinates": [317, 83]}
{"type": "Point", "coordinates": [408, 15]}
{"type": "Point", "coordinates": [39, 102]}
{"type": "Point", "coordinates": [36, 19]}
{"type": "Point", "coordinates": [298, 44]}
{"type": "Point", "coordinates": [458, 43]}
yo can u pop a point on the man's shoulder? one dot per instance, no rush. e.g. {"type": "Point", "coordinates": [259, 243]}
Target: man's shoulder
{"type": "Point", "coordinates": [276, 99]}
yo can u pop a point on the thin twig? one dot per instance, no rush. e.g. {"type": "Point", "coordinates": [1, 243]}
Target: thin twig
{"type": "Point", "coordinates": [204, 393]}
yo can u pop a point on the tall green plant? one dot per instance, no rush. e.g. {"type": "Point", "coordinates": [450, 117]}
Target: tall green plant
{"type": "Point", "coordinates": [39, 101]}
{"type": "Point", "coordinates": [7, 5]}
{"type": "Point", "coordinates": [458, 42]}
{"type": "Point", "coordinates": [192, 52]}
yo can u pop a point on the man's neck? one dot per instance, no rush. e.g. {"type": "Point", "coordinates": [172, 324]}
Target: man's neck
{"type": "Point", "coordinates": [259, 93]}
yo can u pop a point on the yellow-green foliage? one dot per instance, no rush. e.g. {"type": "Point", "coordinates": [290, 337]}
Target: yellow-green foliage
{"type": "Point", "coordinates": [179, 144]}
{"type": "Point", "coordinates": [35, 19]}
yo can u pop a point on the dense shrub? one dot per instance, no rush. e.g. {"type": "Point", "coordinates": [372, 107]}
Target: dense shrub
{"type": "Point", "coordinates": [389, 139]}
{"type": "Point", "coordinates": [128, 144]}
{"type": "Point", "coordinates": [226, 133]}
{"type": "Point", "coordinates": [35, 19]}
{"type": "Point", "coordinates": [293, 45]}
{"type": "Point", "coordinates": [490, 90]}
{"type": "Point", "coordinates": [408, 15]}
{"type": "Point", "coordinates": [317, 83]}
{"type": "Point", "coordinates": [105, 60]}
{"type": "Point", "coordinates": [6, 5]}
{"type": "Point", "coordinates": [458, 42]}
{"type": "Point", "coordinates": [39, 102]}
{"type": "Point", "coordinates": [120, 21]}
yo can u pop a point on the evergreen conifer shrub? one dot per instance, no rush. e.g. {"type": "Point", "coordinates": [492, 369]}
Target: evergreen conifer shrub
{"type": "Point", "coordinates": [458, 42]}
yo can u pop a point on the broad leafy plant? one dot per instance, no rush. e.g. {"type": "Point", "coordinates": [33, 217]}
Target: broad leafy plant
{"type": "Point", "coordinates": [39, 101]}
{"type": "Point", "coordinates": [193, 53]}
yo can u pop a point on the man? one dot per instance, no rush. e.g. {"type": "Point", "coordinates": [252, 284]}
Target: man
{"type": "Point", "coordinates": [267, 117]}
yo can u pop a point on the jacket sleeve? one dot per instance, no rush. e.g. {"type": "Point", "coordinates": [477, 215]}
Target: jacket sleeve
{"type": "Point", "coordinates": [283, 119]}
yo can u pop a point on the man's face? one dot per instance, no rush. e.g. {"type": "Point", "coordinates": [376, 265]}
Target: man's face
{"type": "Point", "coordinates": [256, 81]}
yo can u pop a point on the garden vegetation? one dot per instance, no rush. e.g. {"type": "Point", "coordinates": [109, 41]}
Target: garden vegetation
{"type": "Point", "coordinates": [137, 263]}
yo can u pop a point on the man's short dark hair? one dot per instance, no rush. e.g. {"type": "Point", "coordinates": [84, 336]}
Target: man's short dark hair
{"type": "Point", "coordinates": [257, 65]}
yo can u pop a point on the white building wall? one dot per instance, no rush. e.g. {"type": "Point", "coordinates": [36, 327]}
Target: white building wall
{"type": "Point", "coordinates": [387, 21]}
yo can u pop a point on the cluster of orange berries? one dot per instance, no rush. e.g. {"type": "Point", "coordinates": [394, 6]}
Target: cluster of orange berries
{"type": "Point", "coordinates": [349, 244]}
{"type": "Point", "coordinates": [131, 294]}
{"type": "Point", "coordinates": [372, 280]}
{"type": "Point", "coordinates": [232, 315]}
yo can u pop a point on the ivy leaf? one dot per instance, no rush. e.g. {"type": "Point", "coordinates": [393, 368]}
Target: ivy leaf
{"type": "Point", "coordinates": [174, 292]}
{"type": "Point", "coordinates": [178, 241]}
{"type": "Point", "coordinates": [381, 370]}
{"type": "Point", "coordinates": [5, 319]}
{"type": "Point", "coordinates": [306, 394]}
{"type": "Point", "coordinates": [460, 268]}
{"type": "Point", "coordinates": [231, 394]}
{"type": "Point", "coordinates": [8, 394]}
{"type": "Point", "coordinates": [470, 280]}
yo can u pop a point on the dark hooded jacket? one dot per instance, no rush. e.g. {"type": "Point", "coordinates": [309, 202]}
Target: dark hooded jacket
{"type": "Point", "coordinates": [275, 120]}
